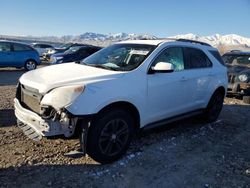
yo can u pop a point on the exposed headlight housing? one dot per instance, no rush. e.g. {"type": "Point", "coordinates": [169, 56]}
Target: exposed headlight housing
{"type": "Point", "coordinates": [243, 77]}
{"type": "Point", "coordinates": [52, 51]}
{"type": "Point", "coordinates": [62, 96]}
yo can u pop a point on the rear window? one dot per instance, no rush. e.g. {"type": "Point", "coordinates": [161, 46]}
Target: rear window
{"type": "Point", "coordinates": [217, 56]}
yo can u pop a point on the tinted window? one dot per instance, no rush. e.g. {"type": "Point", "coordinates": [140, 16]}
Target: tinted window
{"type": "Point", "coordinates": [45, 46]}
{"type": "Point", "coordinates": [84, 51]}
{"type": "Point", "coordinates": [173, 55]}
{"type": "Point", "coordinates": [19, 47]}
{"type": "Point", "coordinates": [5, 47]}
{"type": "Point", "coordinates": [196, 59]}
{"type": "Point", "coordinates": [217, 56]}
{"type": "Point", "coordinates": [36, 46]}
{"type": "Point", "coordinates": [93, 50]}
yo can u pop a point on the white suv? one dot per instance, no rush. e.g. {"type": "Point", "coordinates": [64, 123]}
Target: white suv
{"type": "Point", "coordinates": [111, 94]}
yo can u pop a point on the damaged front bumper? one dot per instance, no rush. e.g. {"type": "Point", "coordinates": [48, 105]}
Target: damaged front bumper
{"type": "Point", "coordinates": [35, 127]}
{"type": "Point", "coordinates": [239, 88]}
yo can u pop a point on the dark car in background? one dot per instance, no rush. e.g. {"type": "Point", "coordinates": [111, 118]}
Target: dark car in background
{"type": "Point", "coordinates": [75, 53]}
{"type": "Point", "coordinates": [61, 49]}
{"type": "Point", "coordinates": [15, 54]}
{"type": "Point", "coordinates": [238, 64]}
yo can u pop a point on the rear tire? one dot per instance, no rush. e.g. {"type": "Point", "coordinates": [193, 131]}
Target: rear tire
{"type": "Point", "coordinates": [30, 65]}
{"type": "Point", "coordinates": [110, 135]}
{"type": "Point", "coordinates": [214, 107]}
{"type": "Point", "coordinates": [246, 99]}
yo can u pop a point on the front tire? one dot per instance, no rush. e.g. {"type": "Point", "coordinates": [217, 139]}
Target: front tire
{"type": "Point", "coordinates": [30, 65]}
{"type": "Point", "coordinates": [110, 135]}
{"type": "Point", "coordinates": [214, 107]}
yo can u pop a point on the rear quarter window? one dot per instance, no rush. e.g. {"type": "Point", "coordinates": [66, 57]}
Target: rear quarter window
{"type": "Point", "coordinates": [217, 56]}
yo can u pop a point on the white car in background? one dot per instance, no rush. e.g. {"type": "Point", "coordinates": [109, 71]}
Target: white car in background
{"type": "Point", "coordinates": [42, 48]}
{"type": "Point", "coordinates": [116, 91]}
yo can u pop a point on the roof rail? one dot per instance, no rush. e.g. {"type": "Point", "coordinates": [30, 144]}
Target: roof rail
{"type": "Point", "coordinates": [193, 41]}
{"type": "Point", "coordinates": [181, 40]}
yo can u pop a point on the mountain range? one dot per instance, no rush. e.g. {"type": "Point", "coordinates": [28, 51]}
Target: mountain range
{"type": "Point", "coordinates": [106, 39]}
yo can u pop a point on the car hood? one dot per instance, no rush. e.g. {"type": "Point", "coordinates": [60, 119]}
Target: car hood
{"type": "Point", "coordinates": [237, 69]}
{"type": "Point", "coordinates": [47, 78]}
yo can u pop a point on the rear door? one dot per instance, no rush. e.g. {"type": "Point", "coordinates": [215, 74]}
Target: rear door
{"type": "Point", "coordinates": [199, 71]}
{"type": "Point", "coordinates": [21, 54]}
{"type": "Point", "coordinates": [6, 55]}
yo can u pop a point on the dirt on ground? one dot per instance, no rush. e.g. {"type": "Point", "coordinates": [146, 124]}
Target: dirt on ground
{"type": "Point", "coordinates": [187, 153]}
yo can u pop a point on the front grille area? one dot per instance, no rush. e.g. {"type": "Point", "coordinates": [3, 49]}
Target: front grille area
{"type": "Point", "coordinates": [231, 78]}
{"type": "Point", "coordinates": [29, 98]}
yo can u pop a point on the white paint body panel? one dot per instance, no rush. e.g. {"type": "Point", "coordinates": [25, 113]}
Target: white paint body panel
{"type": "Point", "coordinates": [156, 96]}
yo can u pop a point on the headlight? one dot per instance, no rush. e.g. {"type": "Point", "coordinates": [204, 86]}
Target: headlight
{"type": "Point", "coordinates": [51, 51]}
{"type": "Point", "coordinates": [243, 77]}
{"type": "Point", "coordinates": [62, 96]}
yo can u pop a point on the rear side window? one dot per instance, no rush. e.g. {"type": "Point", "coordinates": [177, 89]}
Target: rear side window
{"type": "Point", "coordinates": [5, 47]}
{"type": "Point", "coordinates": [19, 47]}
{"type": "Point", "coordinates": [196, 59]}
{"type": "Point", "coordinates": [217, 56]}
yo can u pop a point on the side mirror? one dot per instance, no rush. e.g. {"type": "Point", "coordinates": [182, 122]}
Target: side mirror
{"type": "Point", "coordinates": [162, 67]}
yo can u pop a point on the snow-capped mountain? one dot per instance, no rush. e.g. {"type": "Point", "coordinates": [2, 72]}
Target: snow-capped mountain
{"type": "Point", "coordinates": [217, 39]}
{"type": "Point", "coordinates": [107, 39]}
{"type": "Point", "coordinates": [89, 36]}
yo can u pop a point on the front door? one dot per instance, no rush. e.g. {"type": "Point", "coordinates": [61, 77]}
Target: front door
{"type": "Point", "coordinates": [6, 55]}
{"type": "Point", "coordinates": [168, 93]}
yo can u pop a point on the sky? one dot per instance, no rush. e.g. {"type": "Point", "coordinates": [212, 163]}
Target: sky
{"type": "Point", "coordinates": [161, 18]}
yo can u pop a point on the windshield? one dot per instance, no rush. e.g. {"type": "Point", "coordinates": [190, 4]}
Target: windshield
{"type": "Point", "coordinates": [72, 49]}
{"type": "Point", "coordinates": [237, 59]}
{"type": "Point", "coordinates": [120, 57]}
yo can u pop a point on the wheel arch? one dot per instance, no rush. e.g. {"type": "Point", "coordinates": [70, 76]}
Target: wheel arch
{"type": "Point", "coordinates": [220, 89]}
{"type": "Point", "coordinates": [30, 59]}
{"type": "Point", "coordinates": [129, 107]}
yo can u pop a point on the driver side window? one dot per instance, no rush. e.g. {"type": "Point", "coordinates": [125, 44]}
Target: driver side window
{"type": "Point", "coordinates": [173, 55]}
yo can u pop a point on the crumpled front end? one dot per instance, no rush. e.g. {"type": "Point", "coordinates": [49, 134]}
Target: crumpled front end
{"type": "Point", "coordinates": [236, 86]}
{"type": "Point", "coordinates": [40, 121]}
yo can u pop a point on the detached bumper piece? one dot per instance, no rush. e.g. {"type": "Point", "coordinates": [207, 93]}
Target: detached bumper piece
{"type": "Point", "coordinates": [239, 88]}
{"type": "Point", "coordinates": [29, 131]}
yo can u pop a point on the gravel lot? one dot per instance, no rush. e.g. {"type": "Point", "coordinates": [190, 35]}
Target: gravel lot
{"type": "Point", "coordinates": [187, 153]}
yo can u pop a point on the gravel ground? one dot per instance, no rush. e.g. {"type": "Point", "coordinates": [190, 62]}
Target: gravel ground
{"type": "Point", "coordinates": [187, 153]}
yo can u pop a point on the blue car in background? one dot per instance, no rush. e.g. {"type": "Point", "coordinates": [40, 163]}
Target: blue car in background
{"type": "Point", "coordinates": [74, 54]}
{"type": "Point", "coordinates": [15, 54]}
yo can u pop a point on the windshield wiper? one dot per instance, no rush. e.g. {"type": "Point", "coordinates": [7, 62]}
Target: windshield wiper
{"type": "Point", "coordinates": [103, 67]}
